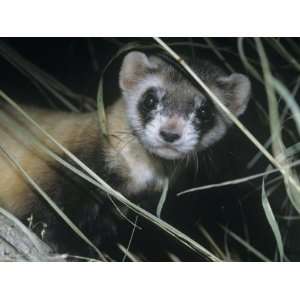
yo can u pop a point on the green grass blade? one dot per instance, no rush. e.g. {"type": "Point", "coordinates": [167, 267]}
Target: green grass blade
{"type": "Point", "coordinates": [272, 221]}
{"type": "Point", "coordinates": [228, 113]}
{"type": "Point", "coordinates": [290, 178]}
{"type": "Point", "coordinates": [289, 99]}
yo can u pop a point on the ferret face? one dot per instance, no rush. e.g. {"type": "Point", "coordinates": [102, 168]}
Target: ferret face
{"type": "Point", "coordinates": [168, 114]}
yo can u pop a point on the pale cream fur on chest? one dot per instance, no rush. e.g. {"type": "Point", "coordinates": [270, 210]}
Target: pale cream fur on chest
{"type": "Point", "coordinates": [143, 171]}
{"type": "Point", "coordinates": [129, 156]}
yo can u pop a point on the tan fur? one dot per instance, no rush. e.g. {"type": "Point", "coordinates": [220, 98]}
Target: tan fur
{"type": "Point", "coordinates": [19, 139]}
{"type": "Point", "coordinates": [125, 150]}
{"type": "Point", "coordinates": [76, 132]}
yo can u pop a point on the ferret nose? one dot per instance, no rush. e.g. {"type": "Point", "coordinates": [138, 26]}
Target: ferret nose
{"type": "Point", "coordinates": [169, 136]}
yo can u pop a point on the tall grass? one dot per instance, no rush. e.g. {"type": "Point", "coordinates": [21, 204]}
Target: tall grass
{"type": "Point", "coordinates": [101, 184]}
{"type": "Point", "coordinates": [282, 158]}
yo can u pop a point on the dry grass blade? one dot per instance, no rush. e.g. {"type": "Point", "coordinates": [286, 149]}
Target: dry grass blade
{"type": "Point", "coordinates": [100, 95]}
{"type": "Point", "coordinates": [46, 80]}
{"type": "Point", "coordinates": [80, 174]}
{"type": "Point", "coordinates": [278, 150]}
{"type": "Point", "coordinates": [213, 244]}
{"type": "Point", "coordinates": [16, 164]}
{"type": "Point", "coordinates": [290, 152]}
{"type": "Point", "coordinates": [246, 244]}
{"type": "Point", "coordinates": [127, 253]}
{"type": "Point", "coordinates": [289, 97]}
{"type": "Point", "coordinates": [123, 49]}
{"type": "Point", "coordinates": [82, 258]}
{"type": "Point", "coordinates": [163, 198]}
{"type": "Point", "coordinates": [174, 258]}
{"type": "Point", "coordinates": [35, 74]}
{"type": "Point", "coordinates": [233, 118]}
{"type": "Point", "coordinates": [236, 181]}
{"type": "Point", "coordinates": [290, 178]}
{"type": "Point", "coordinates": [181, 237]}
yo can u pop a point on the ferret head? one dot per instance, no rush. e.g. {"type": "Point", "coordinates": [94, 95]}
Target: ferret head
{"type": "Point", "coordinates": [170, 116]}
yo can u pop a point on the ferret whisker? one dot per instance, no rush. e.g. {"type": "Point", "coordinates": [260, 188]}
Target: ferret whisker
{"type": "Point", "coordinates": [153, 134]}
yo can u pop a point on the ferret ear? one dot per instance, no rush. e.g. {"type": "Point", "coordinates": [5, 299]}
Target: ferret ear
{"type": "Point", "coordinates": [237, 92]}
{"type": "Point", "coordinates": [134, 68]}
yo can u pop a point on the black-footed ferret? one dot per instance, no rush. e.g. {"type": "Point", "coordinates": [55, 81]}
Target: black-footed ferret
{"type": "Point", "coordinates": [161, 117]}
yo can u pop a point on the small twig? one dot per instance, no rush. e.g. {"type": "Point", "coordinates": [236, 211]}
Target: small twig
{"type": "Point", "coordinates": [127, 253]}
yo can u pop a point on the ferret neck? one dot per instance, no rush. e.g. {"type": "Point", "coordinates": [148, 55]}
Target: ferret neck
{"type": "Point", "coordinates": [128, 146]}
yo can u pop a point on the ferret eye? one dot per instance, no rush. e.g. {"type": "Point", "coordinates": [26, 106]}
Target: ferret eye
{"type": "Point", "coordinates": [150, 101]}
{"type": "Point", "coordinates": [204, 112]}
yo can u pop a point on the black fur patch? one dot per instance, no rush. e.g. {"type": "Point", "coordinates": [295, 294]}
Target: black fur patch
{"type": "Point", "coordinates": [205, 117]}
{"type": "Point", "coordinates": [87, 207]}
{"type": "Point", "coordinates": [146, 112]}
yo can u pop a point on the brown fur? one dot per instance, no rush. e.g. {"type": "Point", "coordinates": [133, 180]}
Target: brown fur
{"type": "Point", "coordinates": [79, 133]}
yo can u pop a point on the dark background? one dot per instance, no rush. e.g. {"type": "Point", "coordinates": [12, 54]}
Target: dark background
{"type": "Point", "coordinates": [78, 62]}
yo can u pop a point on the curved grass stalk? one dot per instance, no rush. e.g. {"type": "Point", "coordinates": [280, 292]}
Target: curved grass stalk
{"type": "Point", "coordinates": [122, 50]}
{"type": "Point", "coordinates": [272, 221]}
{"type": "Point", "coordinates": [291, 181]}
{"type": "Point", "coordinates": [289, 99]}
{"type": "Point", "coordinates": [100, 97]}
{"type": "Point", "coordinates": [230, 115]}
{"type": "Point", "coordinates": [285, 94]}
{"type": "Point", "coordinates": [181, 237]}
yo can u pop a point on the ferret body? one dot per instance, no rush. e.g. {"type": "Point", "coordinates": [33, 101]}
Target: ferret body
{"type": "Point", "coordinates": [160, 119]}
{"type": "Point", "coordinates": [117, 156]}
